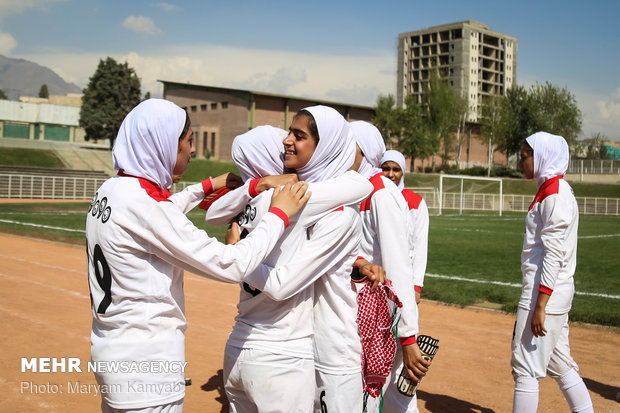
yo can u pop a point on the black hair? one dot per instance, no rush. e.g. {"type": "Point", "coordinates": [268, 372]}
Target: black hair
{"type": "Point", "coordinates": [314, 130]}
{"type": "Point", "coordinates": [185, 127]}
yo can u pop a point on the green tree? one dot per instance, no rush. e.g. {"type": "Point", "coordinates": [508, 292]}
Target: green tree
{"type": "Point", "coordinates": [516, 120]}
{"type": "Point", "coordinates": [413, 139]}
{"type": "Point", "coordinates": [556, 111]}
{"type": "Point", "coordinates": [442, 115]}
{"type": "Point", "coordinates": [491, 125]}
{"type": "Point", "coordinates": [112, 91]}
{"type": "Point", "coordinates": [147, 95]}
{"type": "Point", "coordinates": [3, 95]}
{"type": "Point", "coordinates": [386, 118]}
{"type": "Point", "coordinates": [43, 93]}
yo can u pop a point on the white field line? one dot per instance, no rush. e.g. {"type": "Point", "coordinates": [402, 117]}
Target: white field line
{"type": "Point", "coordinates": [515, 233]}
{"type": "Point", "coordinates": [505, 284]}
{"type": "Point", "coordinates": [8, 221]}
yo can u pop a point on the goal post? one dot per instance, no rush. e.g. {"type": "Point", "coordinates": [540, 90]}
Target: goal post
{"type": "Point", "coordinates": [467, 198]}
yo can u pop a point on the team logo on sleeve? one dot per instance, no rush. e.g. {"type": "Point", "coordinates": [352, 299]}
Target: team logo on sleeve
{"type": "Point", "coordinates": [247, 215]}
{"type": "Point", "coordinates": [99, 208]}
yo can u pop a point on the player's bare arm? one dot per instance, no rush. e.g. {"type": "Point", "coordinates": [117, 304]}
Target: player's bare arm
{"type": "Point", "coordinates": [414, 362]}
{"type": "Point", "coordinates": [290, 198]}
{"type": "Point", "coordinates": [233, 233]}
{"type": "Point", "coordinates": [228, 180]}
{"type": "Point", "coordinates": [271, 181]}
{"type": "Point", "coordinates": [538, 318]}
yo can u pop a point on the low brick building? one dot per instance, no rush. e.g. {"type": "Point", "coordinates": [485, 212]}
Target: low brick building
{"type": "Point", "coordinates": [219, 114]}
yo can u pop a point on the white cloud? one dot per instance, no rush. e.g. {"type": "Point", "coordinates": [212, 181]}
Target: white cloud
{"type": "Point", "coordinates": [8, 7]}
{"type": "Point", "coordinates": [141, 24]}
{"type": "Point", "coordinates": [601, 113]}
{"type": "Point", "coordinates": [167, 6]}
{"type": "Point", "coordinates": [7, 43]}
{"type": "Point", "coordinates": [347, 79]}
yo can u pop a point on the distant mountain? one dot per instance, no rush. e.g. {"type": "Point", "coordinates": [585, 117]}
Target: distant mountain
{"type": "Point", "coordinates": [19, 77]}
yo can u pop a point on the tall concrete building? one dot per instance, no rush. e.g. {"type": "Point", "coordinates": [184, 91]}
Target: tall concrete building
{"type": "Point", "coordinates": [477, 62]}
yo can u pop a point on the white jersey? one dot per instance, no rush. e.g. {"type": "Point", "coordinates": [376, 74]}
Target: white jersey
{"type": "Point", "coordinates": [326, 259]}
{"type": "Point", "coordinates": [385, 243]}
{"type": "Point", "coordinates": [283, 327]}
{"type": "Point", "coordinates": [549, 254]}
{"type": "Point", "coordinates": [417, 234]}
{"type": "Point", "coordinates": [138, 244]}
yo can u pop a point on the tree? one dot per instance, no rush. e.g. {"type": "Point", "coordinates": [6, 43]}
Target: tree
{"type": "Point", "coordinates": [385, 118]}
{"type": "Point", "coordinates": [491, 124]}
{"type": "Point", "coordinates": [413, 138]}
{"type": "Point", "coordinates": [112, 91]}
{"type": "Point", "coordinates": [556, 111]}
{"type": "Point", "coordinates": [3, 95]}
{"type": "Point", "coordinates": [43, 93]}
{"type": "Point", "coordinates": [516, 120]}
{"type": "Point", "coordinates": [442, 114]}
{"type": "Point", "coordinates": [147, 95]}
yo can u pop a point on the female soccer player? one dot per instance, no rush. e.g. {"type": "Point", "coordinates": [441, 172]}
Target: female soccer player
{"type": "Point", "coordinates": [548, 260]}
{"type": "Point", "coordinates": [138, 244]}
{"type": "Point", "coordinates": [393, 167]}
{"type": "Point", "coordinates": [320, 150]}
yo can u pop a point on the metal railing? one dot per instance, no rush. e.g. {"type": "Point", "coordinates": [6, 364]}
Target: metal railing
{"type": "Point", "coordinates": [514, 203]}
{"type": "Point", "coordinates": [594, 166]}
{"type": "Point", "coordinates": [48, 187]}
{"type": "Point", "coordinates": [19, 186]}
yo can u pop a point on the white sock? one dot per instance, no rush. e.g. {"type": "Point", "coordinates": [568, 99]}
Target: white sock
{"type": "Point", "coordinates": [575, 392]}
{"type": "Point", "coordinates": [526, 395]}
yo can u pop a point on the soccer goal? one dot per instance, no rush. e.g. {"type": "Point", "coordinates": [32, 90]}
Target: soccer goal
{"type": "Point", "coordinates": [460, 192]}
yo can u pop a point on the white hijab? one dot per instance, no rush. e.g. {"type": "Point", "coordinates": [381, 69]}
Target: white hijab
{"type": "Point", "coordinates": [259, 152]}
{"type": "Point", "coordinates": [335, 152]}
{"type": "Point", "coordinates": [551, 155]}
{"type": "Point", "coordinates": [148, 141]}
{"type": "Point", "coordinates": [399, 158]}
{"type": "Point", "coordinates": [371, 143]}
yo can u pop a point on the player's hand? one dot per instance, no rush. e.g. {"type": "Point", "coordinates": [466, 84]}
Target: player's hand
{"type": "Point", "coordinates": [290, 198]}
{"type": "Point", "coordinates": [538, 322]}
{"type": "Point", "coordinates": [233, 233]}
{"type": "Point", "coordinates": [415, 364]}
{"type": "Point", "coordinates": [371, 272]}
{"type": "Point", "coordinates": [418, 297]}
{"type": "Point", "coordinates": [272, 181]}
{"type": "Point", "coordinates": [228, 179]}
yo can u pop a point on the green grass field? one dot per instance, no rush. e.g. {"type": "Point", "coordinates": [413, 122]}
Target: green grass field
{"type": "Point", "coordinates": [473, 258]}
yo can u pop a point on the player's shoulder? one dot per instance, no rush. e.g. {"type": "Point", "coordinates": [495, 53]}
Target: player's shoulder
{"type": "Point", "coordinates": [413, 199]}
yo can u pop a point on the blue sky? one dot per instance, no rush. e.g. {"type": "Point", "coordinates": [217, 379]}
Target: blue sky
{"type": "Point", "coordinates": [341, 51]}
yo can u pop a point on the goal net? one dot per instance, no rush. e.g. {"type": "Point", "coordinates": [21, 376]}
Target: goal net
{"type": "Point", "coordinates": [470, 193]}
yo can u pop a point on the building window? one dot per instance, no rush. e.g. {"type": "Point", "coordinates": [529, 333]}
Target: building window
{"type": "Point", "coordinates": [194, 108]}
{"type": "Point", "coordinates": [212, 143]}
{"type": "Point", "coordinates": [224, 105]}
{"type": "Point", "coordinates": [203, 107]}
{"type": "Point", "coordinates": [205, 135]}
{"type": "Point", "coordinates": [214, 105]}
{"type": "Point", "coordinates": [184, 108]}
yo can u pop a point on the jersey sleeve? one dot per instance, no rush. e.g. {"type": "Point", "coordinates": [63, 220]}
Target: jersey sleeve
{"type": "Point", "coordinates": [227, 207]}
{"type": "Point", "coordinates": [335, 238]}
{"type": "Point", "coordinates": [174, 238]}
{"type": "Point", "coordinates": [190, 197]}
{"type": "Point", "coordinates": [349, 189]}
{"type": "Point", "coordinates": [420, 244]}
{"type": "Point", "coordinates": [555, 218]}
{"type": "Point", "coordinates": [390, 221]}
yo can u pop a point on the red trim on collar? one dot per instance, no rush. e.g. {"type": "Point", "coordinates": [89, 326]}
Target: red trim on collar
{"type": "Point", "coordinates": [151, 188]}
{"type": "Point", "coordinates": [550, 187]}
{"type": "Point", "coordinates": [377, 184]}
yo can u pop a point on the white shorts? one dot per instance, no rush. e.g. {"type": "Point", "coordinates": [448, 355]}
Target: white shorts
{"type": "Point", "coordinates": [393, 400]}
{"type": "Point", "coordinates": [338, 392]}
{"type": "Point", "coordinates": [174, 407]}
{"type": "Point", "coordinates": [260, 381]}
{"type": "Point", "coordinates": [537, 356]}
